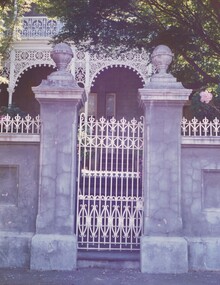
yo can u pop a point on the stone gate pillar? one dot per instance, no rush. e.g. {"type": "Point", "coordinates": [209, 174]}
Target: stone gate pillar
{"type": "Point", "coordinates": [54, 245]}
{"type": "Point", "coordinates": [163, 250]}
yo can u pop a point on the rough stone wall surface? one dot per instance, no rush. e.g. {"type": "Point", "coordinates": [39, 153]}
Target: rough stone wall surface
{"type": "Point", "coordinates": [19, 178]}
{"type": "Point", "coordinates": [162, 153]}
{"type": "Point", "coordinates": [200, 191]}
{"type": "Point", "coordinates": [56, 192]}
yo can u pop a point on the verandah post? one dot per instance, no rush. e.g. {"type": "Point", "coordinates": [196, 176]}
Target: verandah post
{"type": "Point", "coordinates": [163, 249]}
{"type": "Point", "coordinates": [54, 245]}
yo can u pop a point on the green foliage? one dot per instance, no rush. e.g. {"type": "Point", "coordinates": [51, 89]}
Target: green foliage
{"type": "Point", "coordinates": [12, 111]}
{"type": "Point", "coordinates": [189, 28]}
{"type": "Point", "coordinates": [10, 15]}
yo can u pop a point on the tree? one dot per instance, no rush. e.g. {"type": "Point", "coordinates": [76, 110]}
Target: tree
{"type": "Point", "coordinates": [10, 15]}
{"type": "Point", "coordinates": [189, 28]}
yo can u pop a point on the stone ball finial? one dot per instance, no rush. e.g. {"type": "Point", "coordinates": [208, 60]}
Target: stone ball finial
{"type": "Point", "coordinates": [62, 55]}
{"type": "Point", "coordinates": [161, 58]}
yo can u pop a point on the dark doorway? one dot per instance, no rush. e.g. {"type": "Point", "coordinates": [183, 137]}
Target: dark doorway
{"type": "Point", "coordinates": [24, 97]}
{"type": "Point", "coordinates": [117, 93]}
{"type": "Point", "coordinates": [3, 95]}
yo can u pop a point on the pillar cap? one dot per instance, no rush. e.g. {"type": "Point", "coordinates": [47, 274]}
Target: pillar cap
{"type": "Point", "coordinates": [161, 58]}
{"type": "Point", "coordinates": [60, 85]}
{"type": "Point", "coordinates": [163, 86]}
{"type": "Point", "coordinates": [62, 55]}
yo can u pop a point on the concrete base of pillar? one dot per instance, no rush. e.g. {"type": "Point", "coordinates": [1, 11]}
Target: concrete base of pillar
{"type": "Point", "coordinates": [204, 254]}
{"type": "Point", "coordinates": [53, 252]}
{"type": "Point", "coordinates": [15, 249]}
{"type": "Point", "coordinates": [164, 255]}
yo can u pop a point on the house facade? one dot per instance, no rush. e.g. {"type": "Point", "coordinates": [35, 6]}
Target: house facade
{"type": "Point", "coordinates": [100, 75]}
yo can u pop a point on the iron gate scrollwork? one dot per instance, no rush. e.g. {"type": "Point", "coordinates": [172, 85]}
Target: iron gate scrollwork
{"type": "Point", "coordinates": [109, 201]}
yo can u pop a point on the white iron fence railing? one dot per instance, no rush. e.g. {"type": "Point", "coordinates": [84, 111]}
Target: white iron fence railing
{"type": "Point", "coordinates": [110, 202]}
{"type": "Point", "coordinates": [29, 125]}
{"type": "Point", "coordinates": [204, 128]}
{"type": "Point", "coordinates": [19, 125]}
{"type": "Point", "coordinates": [39, 27]}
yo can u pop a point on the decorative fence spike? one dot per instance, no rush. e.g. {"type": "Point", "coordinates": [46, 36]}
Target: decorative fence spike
{"type": "Point", "coordinates": [204, 128]}
{"type": "Point", "coordinates": [19, 125]}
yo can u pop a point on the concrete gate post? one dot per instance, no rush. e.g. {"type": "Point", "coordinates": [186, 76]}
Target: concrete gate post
{"type": "Point", "coordinates": [54, 245]}
{"type": "Point", "coordinates": [163, 250]}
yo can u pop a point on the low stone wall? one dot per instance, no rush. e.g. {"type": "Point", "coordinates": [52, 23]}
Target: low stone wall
{"type": "Point", "coordinates": [19, 178]}
{"type": "Point", "coordinates": [200, 200]}
{"type": "Point", "coordinates": [200, 171]}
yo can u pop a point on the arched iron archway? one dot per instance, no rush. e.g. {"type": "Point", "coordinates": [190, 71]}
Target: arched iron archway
{"type": "Point", "coordinates": [84, 66]}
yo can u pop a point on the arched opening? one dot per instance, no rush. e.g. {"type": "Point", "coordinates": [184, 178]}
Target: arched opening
{"type": "Point", "coordinates": [23, 96]}
{"type": "Point", "coordinates": [115, 94]}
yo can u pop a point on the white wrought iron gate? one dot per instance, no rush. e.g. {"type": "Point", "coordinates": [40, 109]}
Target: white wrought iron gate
{"type": "Point", "coordinates": [109, 201]}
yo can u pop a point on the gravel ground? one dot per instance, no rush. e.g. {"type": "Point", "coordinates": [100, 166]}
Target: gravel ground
{"type": "Point", "coordinates": [96, 276]}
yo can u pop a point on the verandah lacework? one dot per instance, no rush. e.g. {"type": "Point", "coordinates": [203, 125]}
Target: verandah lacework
{"type": "Point", "coordinates": [85, 67]}
{"type": "Point", "coordinates": [38, 27]}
